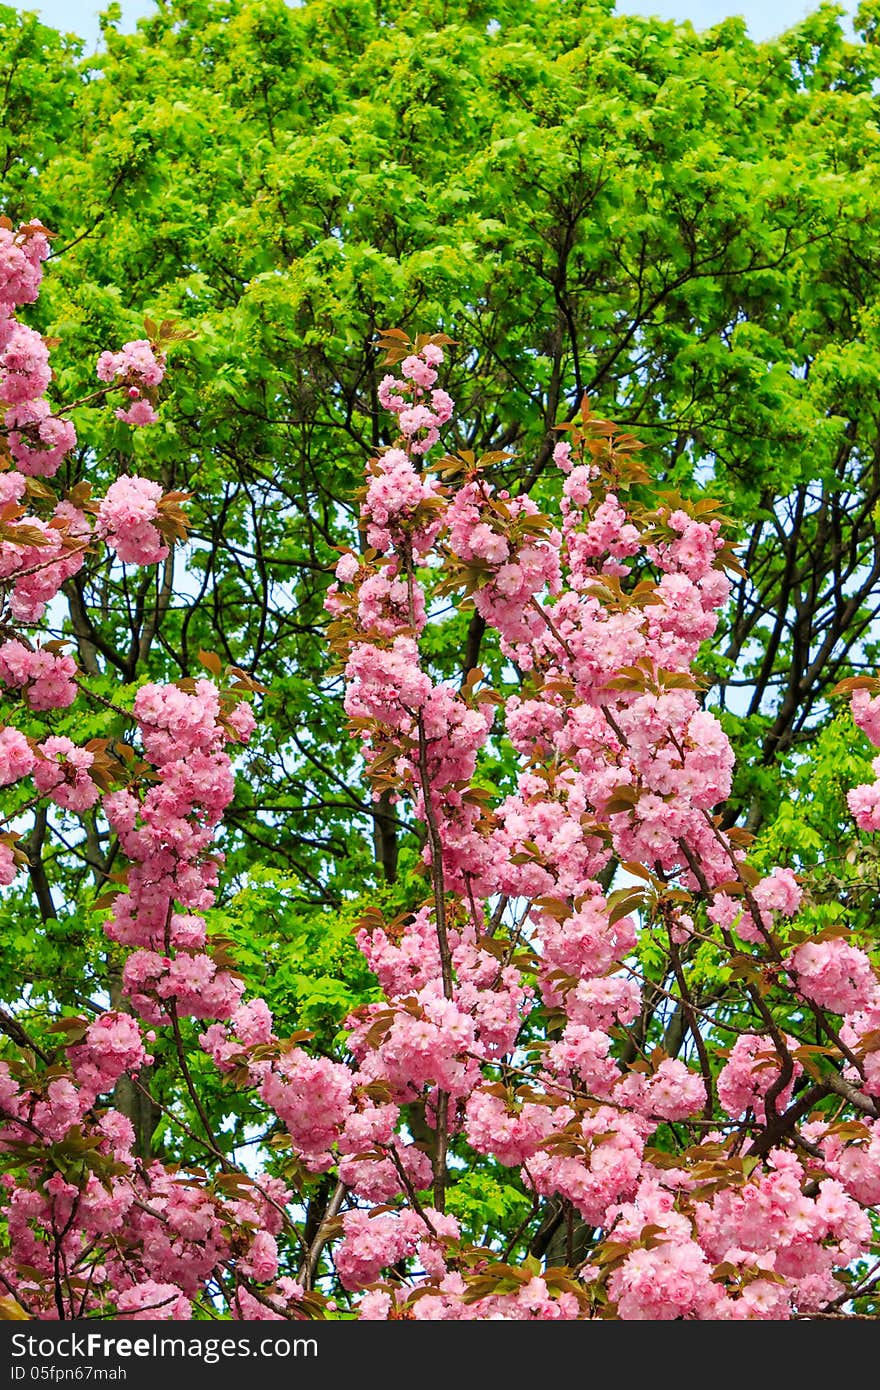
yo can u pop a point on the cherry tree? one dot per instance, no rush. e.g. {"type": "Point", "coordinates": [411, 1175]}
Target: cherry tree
{"type": "Point", "coordinates": [731, 1176]}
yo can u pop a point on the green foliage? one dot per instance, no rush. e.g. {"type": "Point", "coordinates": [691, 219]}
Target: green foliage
{"type": "Point", "coordinates": [484, 1200]}
{"type": "Point", "coordinates": [303, 961]}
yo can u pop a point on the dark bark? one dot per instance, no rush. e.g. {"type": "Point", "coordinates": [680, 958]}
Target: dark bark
{"type": "Point", "coordinates": [385, 837]}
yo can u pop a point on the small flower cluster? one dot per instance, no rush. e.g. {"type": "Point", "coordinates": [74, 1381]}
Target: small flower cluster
{"type": "Point", "coordinates": [139, 370]}
{"type": "Point", "coordinates": [38, 440]}
{"type": "Point", "coordinates": [420, 410]}
{"type": "Point", "coordinates": [167, 834]}
{"type": "Point", "coordinates": [126, 520]}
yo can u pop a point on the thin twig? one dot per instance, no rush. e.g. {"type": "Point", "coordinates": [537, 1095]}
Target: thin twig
{"type": "Point", "coordinates": [322, 1236]}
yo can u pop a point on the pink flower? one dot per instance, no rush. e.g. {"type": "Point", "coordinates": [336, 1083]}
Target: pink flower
{"type": "Point", "coordinates": [346, 568]}
{"type": "Point", "coordinates": [63, 773]}
{"type": "Point", "coordinates": [126, 517]}
{"type": "Point", "coordinates": [672, 1280]}
{"type": "Point", "coordinates": [262, 1258]}
{"type": "Point", "coordinates": [834, 975]}
{"type": "Point", "coordinates": [46, 678]}
{"type": "Point", "coordinates": [372, 1243]}
{"type": "Point", "coordinates": [780, 892]}
{"type": "Point", "coordinates": [16, 756]}
{"type": "Point", "coordinates": [20, 270]}
{"type": "Point", "coordinates": [138, 413]}
{"type": "Point", "coordinates": [24, 366]}
{"type": "Point", "coordinates": [562, 456]}
{"type": "Point", "coordinates": [112, 1045]}
{"type": "Point", "coordinates": [866, 713]}
{"type": "Point", "coordinates": [38, 440]}
{"type": "Point", "coordinates": [152, 1302]}
{"type": "Point", "coordinates": [752, 1067]}
{"type": "Point", "coordinates": [312, 1095]}
{"type": "Point", "coordinates": [137, 363]}
{"type": "Point", "coordinates": [242, 721]}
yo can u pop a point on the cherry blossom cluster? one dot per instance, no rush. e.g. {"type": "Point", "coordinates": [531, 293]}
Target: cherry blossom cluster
{"type": "Point", "coordinates": [161, 1238]}
{"type": "Point", "coordinates": [167, 834]}
{"type": "Point", "coordinates": [138, 369]}
{"type": "Point", "coordinates": [127, 518]}
{"type": "Point", "coordinates": [38, 440]}
{"type": "Point", "coordinates": [421, 407]}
